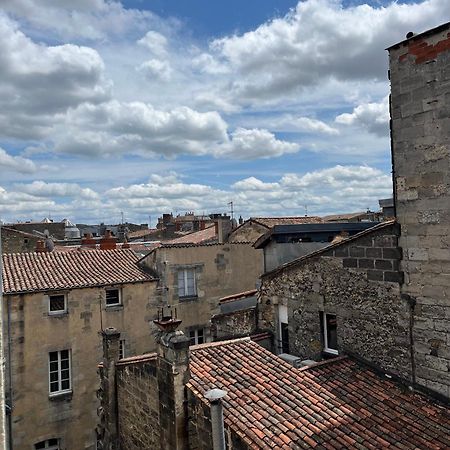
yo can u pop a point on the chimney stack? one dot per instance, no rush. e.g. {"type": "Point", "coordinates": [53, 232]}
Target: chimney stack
{"type": "Point", "coordinates": [218, 432]}
{"type": "Point", "coordinates": [173, 374]}
{"type": "Point", "coordinates": [40, 247]}
{"type": "Point", "coordinates": [108, 242]}
{"type": "Point", "coordinates": [88, 241]}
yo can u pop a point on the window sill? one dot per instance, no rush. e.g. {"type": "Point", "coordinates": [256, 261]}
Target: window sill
{"type": "Point", "coordinates": [60, 396]}
{"type": "Point", "coordinates": [117, 307]}
{"type": "Point", "coordinates": [328, 353]}
{"type": "Point", "coordinates": [58, 314]}
{"type": "Point", "coordinates": [188, 298]}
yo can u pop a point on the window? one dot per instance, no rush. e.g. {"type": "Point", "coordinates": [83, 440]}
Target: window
{"type": "Point", "coordinates": [57, 304]}
{"type": "Point", "coordinates": [59, 372]}
{"type": "Point", "coordinates": [186, 283]}
{"type": "Point", "coordinates": [329, 333]}
{"type": "Point", "coordinates": [197, 336]}
{"type": "Point", "coordinates": [49, 444]}
{"type": "Point", "coordinates": [122, 349]}
{"type": "Point", "coordinates": [283, 336]}
{"type": "Point", "coordinates": [113, 297]}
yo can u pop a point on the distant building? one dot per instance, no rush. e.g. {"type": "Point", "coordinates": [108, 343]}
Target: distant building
{"type": "Point", "coordinates": [15, 241]}
{"type": "Point", "coordinates": [251, 229]}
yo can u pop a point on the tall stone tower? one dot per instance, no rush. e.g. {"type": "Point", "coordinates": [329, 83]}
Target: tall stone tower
{"type": "Point", "coordinates": [420, 133]}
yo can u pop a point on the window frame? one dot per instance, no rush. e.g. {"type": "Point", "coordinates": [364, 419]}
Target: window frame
{"type": "Point", "coordinates": [326, 348]}
{"type": "Point", "coordinates": [122, 353]}
{"type": "Point", "coordinates": [59, 370]}
{"type": "Point", "coordinates": [48, 445]}
{"type": "Point", "coordinates": [195, 338]}
{"type": "Point", "coordinates": [186, 295]}
{"type": "Point", "coordinates": [59, 311]}
{"type": "Point", "coordinates": [119, 291]}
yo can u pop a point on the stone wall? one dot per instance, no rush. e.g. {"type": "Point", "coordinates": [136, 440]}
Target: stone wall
{"type": "Point", "coordinates": [358, 282]}
{"type": "Point", "coordinates": [14, 241]}
{"type": "Point", "coordinates": [420, 113]}
{"type": "Point", "coordinates": [138, 404]}
{"type": "Point", "coordinates": [234, 324]}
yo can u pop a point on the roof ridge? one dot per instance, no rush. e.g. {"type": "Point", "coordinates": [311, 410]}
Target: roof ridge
{"type": "Point", "coordinates": [219, 343]}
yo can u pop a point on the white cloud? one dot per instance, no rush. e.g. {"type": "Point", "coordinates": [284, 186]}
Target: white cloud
{"type": "Point", "coordinates": [44, 189]}
{"type": "Point", "coordinates": [16, 163]}
{"type": "Point", "coordinates": [156, 70]}
{"type": "Point", "coordinates": [336, 189]}
{"type": "Point", "coordinates": [320, 39]}
{"type": "Point", "coordinates": [155, 42]}
{"type": "Point", "coordinates": [374, 117]}
{"type": "Point", "coordinates": [39, 83]}
{"type": "Point", "coordinates": [83, 19]}
{"type": "Point", "coordinates": [255, 143]}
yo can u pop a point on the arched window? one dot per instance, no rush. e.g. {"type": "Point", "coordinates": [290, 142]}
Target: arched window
{"type": "Point", "coordinates": [49, 444]}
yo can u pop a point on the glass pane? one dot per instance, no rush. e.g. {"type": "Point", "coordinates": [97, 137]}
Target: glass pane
{"type": "Point", "coordinates": [64, 364]}
{"type": "Point", "coordinates": [54, 387]}
{"type": "Point", "coordinates": [53, 356]}
{"type": "Point", "coordinates": [181, 292]}
{"type": "Point", "coordinates": [64, 354]}
{"type": "Point", "coordinates": [57, 303]}
{"type": "Point", "coordinates": [65, 384]}
{"type": "Point", "coordinates": [65, 374]}
{"type": "Point", "coordinates": [53, 376]}
{"type": "Point", "coordinates": [54, 366]}
{"type": "Point", "coordinates": [331, 331]}
{"type": "Point", "coordinates": [112, 296]}
{"type": "Point", "coordinates": [39, 445]}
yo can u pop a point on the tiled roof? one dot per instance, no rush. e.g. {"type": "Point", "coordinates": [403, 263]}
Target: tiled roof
{"type": "Point", "coordinates": [333, 405]}
{"type": "Point", "coordinates": [196, 237]}
{"type": "Point", "coordinates": [272, 221]}
{"type": "Point", "coordinates": [31, 272]}
{"type": "Point", "coordinates": [142, 233]}
{"type": "Point", "coordinates": [341, 217]}
{"type": "Point", "coordinates": [230, 298]}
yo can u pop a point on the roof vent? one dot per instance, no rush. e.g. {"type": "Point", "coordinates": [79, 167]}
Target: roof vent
{"type": "Point", "coordinates": [409, 35]}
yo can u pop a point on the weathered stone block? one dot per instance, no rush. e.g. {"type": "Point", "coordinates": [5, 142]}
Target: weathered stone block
{"type": "Point", "coordinates": [374, 252]}
{"type": "Point", "coordinates": [357, 252]}
{"type": "Point", "coordinates": [366, 263]}
{"type": "Point", "coordinates": [392, 253]}
{"type": "Point", "coordinates": [393, 277]}
{"type": "Point", "coordinates": [383, 264]}
{"type": "Point", "coordinates": [350, 262]}
{"type": "Point", "coordinates": [375, 275]}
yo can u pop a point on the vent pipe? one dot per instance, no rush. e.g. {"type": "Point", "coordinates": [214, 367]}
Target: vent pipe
{"type": "Point", "coordinates": [218, 434]}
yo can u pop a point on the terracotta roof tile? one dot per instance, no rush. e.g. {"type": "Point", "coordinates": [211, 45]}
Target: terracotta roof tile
{"type": "Point", "coordinates": [197, 237]}
{"type": "Point", "coordinates": [31, 272]}
{"type": "Point", "coordinates": [337, 404]}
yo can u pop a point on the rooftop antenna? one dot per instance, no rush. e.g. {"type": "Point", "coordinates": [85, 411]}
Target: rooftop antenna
{"type": "Point", "coordinates": [230, 204]}
{"type": "Point", "coordinates": [121, 215]}
{"type": "Point", "coordinates": [306, 210]}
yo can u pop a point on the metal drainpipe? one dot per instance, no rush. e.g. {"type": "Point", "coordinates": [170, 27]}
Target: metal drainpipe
{"type": "Point", "coordinates": [215, 398]}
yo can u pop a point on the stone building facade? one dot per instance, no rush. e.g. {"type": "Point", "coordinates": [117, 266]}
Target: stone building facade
{"type": "Point", "coordinates": [55, 305]}
{"type": "Point", "coordinates": [355, 285]}
{"type": "Point", "coordinates": [193, 277]}
{"type": "Point", "coordinates": [15, 241]}
{"type": "Point", "coordinates": [420, 133]}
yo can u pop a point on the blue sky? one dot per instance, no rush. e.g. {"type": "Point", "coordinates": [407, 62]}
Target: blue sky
{"type": "Point", "coordinates": [155, 106]}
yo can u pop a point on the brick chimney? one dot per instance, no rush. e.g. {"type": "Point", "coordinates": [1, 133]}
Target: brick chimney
{"type": "Point", "coordinates": [108, 242]}
{"type": "Point", "coordinates": [173, 374]}
{"type": "Point", "coordinates": [40, 247]}
{"type": "Point", "coordinates": [88, 241]}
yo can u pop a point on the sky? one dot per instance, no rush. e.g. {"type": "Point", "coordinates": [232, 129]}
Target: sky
{"type": "Point", "coordinates": [143, 107]}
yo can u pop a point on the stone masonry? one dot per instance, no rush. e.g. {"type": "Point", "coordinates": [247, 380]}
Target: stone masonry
{"type": "Point", "coordinates": [359, 282]}
{"type": "Point", "coordinates": [420, 132]}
